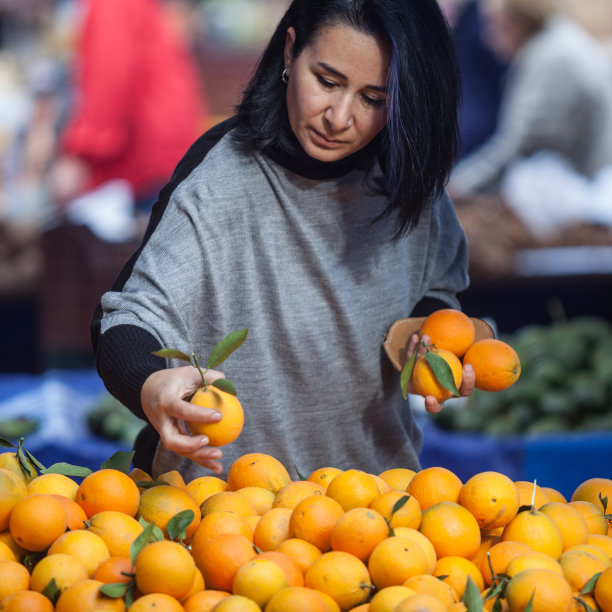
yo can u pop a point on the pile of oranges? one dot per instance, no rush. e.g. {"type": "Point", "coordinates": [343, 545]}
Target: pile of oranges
{"type": "Point", "coordinates": [336, 540]}
{"type": "Point", "coordinates": [452, 338]}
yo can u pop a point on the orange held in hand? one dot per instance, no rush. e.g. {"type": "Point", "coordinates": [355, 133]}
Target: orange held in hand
{"type": "Point", "coordinates": [425, 381]}
{"type": "Point", "coordinates": [229, 427]}
{"type": "Point", "coordinates": [449, 329]}
{"type": "Point", "coordinates": [496, 364]}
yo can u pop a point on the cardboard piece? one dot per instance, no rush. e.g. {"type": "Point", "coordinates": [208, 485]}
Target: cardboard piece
{"type": "Point", "coordinates": [398, 336]}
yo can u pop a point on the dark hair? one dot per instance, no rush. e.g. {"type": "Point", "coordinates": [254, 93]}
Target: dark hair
{"type": "Point", "coordinates": [420, 137]}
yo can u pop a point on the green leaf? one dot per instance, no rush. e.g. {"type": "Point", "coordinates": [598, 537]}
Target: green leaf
{"type": "Point", "coordinates": [130, 594]}
{"type": "Point", "coordinates": [51, 591]}
{"type": "Point", "coordinates": [498, 606]}
{"type": "Point", "coordinates": [583, 604]}
{"type": "Point", "coordinates": [472, 598]}
{"type": "Point", "coordinates": [223, 349]}
{"type": "Point", "coordinates": [225, 385]}
{"type": "Point", "coordinates": [604, 502]}
{"type": "Point", "coordinates": [6, 443]}
{"type": "Point", "coordinates": [146, 537]}
{"type": "Point", "coordinates": [177, 525]}
{"type": "Point", "coordinates": [400, 503]}
{"type": "Point", "coordinates": [121, 461]}
{"type": "Point", "coordinates": [115, 590]}
{"type": "Point", "coordinates": [33, 460]}
{"type": "Point", "coordinates": [442, 371]}
{"type": "Point", "coordinates": [529, 606]}
{"type": "Point", "coordinates": [149, 484]}
{"type": "Point", "coordinates": [169, 353]}
{"type": "Point", "coordinates": [67, 470]}
{"type": "Point", "coordinates": [590, 585]}
{"type": "Point", "coordinates": [407, 373]}
{"type": "Point", "coordinates": [300, 475]}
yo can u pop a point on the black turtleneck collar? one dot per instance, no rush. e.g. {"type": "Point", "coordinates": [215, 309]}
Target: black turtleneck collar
{"type": "Point", "coordinates": [290, 154]}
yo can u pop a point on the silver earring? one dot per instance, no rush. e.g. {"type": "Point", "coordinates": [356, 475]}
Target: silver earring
{"type": "Point", "coordinates": [285, 77]}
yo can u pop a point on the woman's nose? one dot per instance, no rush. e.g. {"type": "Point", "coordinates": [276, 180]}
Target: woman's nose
{"type": "Point", "coordinates": [339, 115]}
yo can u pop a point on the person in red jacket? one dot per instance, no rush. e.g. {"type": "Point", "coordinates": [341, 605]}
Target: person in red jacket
{"type": "Point", "coordinates": [138, 100]}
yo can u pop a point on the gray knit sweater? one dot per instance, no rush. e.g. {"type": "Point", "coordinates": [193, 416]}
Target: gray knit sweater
{"type": "Point", "coordinates": [248, 240]}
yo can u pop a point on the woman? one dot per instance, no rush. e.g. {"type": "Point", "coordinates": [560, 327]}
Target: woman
{"type": "Point", "coordinates": [316, 217]}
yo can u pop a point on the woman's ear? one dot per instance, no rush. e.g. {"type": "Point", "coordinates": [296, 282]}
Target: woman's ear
{"type": "Point", "coordinates": [289, 42]}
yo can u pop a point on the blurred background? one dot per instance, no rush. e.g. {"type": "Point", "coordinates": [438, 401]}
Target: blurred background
{"type": "Point", "coordinates": [88, 88]}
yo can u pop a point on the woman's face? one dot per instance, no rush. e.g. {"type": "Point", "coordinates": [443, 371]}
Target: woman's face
{"type": "Point", "coordinates": [336, 92]}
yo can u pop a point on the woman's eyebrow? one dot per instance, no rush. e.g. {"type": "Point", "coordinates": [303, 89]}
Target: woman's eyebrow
{"type": "Point", "coordinates": [328, 68]}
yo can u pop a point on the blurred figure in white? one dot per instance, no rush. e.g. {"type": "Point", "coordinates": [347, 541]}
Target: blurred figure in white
{"type": "Point", "coordinates": [551, 155]}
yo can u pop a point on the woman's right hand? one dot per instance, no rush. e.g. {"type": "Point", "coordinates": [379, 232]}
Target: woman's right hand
{"type": "Point", "coordinates": [162, 398]}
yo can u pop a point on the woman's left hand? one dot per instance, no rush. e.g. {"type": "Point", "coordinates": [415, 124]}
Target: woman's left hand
{"type": "Point", "coordinates": [432, 405]}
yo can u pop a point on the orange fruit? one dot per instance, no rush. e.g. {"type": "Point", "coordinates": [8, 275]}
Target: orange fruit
{"type": "Point", "coordinates": [498, 558]}
{"type": "Point", "coordinates": [550, 591]}
{"type": "Point", "coordinates": [228, 501]}
{"type": "Point", "coordinates": [449, 329]}
{"type": "Point", "coordinates": [108, 489]}
{"type": "Point", "coordinates": [85, 596]}
{"type": "Point", "coordinates": [164, 567]}
{"type": "Point", "coordinates": [259, 579]}
{"type": "Point", "coordinates": [89, 548]}
{"type": "Point", "coordinates": [296, 599]}
{"type": "Point", "coordinates": [204, 601]}
{"type": "Point", "coordinates": [593, 515]}
{"type": "Point", "coordinates": [358, 531]}
{"type": "Point", "coordinates": [294, 492]}
{"type": "Point", "coordinates": [554, 495]}
{"type": "Point", "coordinates": [323, 476]}
{"type": "Point", "coordinates": [12, 489]}
{"type": "Point", "coordinates": [435, 484]}
{"type": "Point", "coordinates": [431, 585]}
{"type": "Point", "coordinates": [420, 602]}
{"type": "Point", "coordinates": [603, 590]}
{"type": "Point", "coordinates": [7, 539]}
{"type": "Point", "coordinates": [422, 541]}
{"type": "Point", "coordinates": [527, 496]}
{"type": "Point", "coordinates": [118, 530]}
{"type": "Point", "coordinates": [303, 553]}
{"type": "Point", "coordinates": [341, 576]}
{"type": "Point", "coordinates": [487, 541]}
{"type": "Point", "coordinates": [220, 557]}
{"type": "Point", "coordinates": [571, 523]}
{"type": "Point", "coordinates": [229, 427]}
{"type": "Point", "coordinates": [455, 571]}
{"type": "Point", "coordinates": [237, 603]}
{"type": "Point", "coordinates": [452, 530]}
{"type": "Point", "coordinates": [257, 470]}
{"type": "Point", "coordinates": [396, 559]}
{"type": "Point", "coordinates": [382, 485]}
{"type": "Point", "coordinates": [603, 542]}
{"type": "Point", "coordinates": [314, 519]}
{"type": "Point", "coordinates": [353, 489]}
{"type": "Point", "coordinates": [594, 550]}
{"type": "Point", "coordinates": [65, 569]}
{"type": "Point", "coordinates": [579, 566]}
{"type": "Point", "coordinates": [594, 490]}
{"type": "Point", "coordinates": [272, 528]}
{"type": "Point", "coordinates": [139, 476]}
{"type": "Point", "coordinates": [408, 515]}
{"type": "Point", "coordinates": [75, 515]}
{"type": "Point", "coordinates": [294, 574]}
{"type": "Point", "coordinates": [424, 380]}
{"type": "Point", "coordinates": [491, 497]}
{"type": "Point", "coordinates": [218, 522]}
{"type": "Point", "coordinates": [388, 598]}
{"type": "Point", "coordinates": [496, 364]}
{"type": "Point", "coordinates": [13, 577]}
{"type": "Point", "coordinates": [532, 560]}
{"type": "Point", "coordinates": [174, 478]}
{"type": "Point", "coordinates": [114, 569]}
{"type": "Point", "coordinates": [397, 478]}
{"type": "Point", "coordinates": [37, 521]}
{"type": "Point", "coordinates": [197, 584]}
{"type": "Point", "coordinates": [156, 602]}
{"type": "Point", "coordinates": [53, 483]}
{"type": "Point", "coordinates": [537, 530]}
{"type": "Point", "coordinates": [158, 505]}
{"type": "Point", "coordinates": [261, 498]}
{"type": "Point", "coordinates": [10, 462]}
{"type": "Point", "coordinates": [204, 486]}
{"type": "Point", "coordinates": [26, 601]}
{"type": "Point", "coordinates": [7, 553]}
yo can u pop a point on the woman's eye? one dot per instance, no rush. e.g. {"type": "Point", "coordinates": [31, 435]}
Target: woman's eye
{"type": "Point", "coordinates": [323, 81]}
{"type": "Point", "coordinates": [374, 102]}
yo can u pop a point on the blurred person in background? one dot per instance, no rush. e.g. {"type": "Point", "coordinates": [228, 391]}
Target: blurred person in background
{"type": "Point", "coordinates": [138, 101]}
{"type": "Point", "coordinates": [481, 74]}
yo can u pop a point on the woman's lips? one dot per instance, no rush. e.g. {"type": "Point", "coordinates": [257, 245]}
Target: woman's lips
{"type": "Point", "coordinates": [324, 141]}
